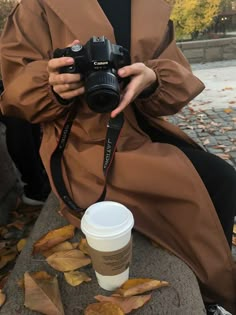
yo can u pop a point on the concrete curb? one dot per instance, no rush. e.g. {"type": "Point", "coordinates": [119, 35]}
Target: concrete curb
{"type": "Point", "coordinates": [181, 298]}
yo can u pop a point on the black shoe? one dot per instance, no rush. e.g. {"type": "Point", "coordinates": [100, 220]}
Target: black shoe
{"type": "Point", "coordinates": [215, 309]}
{"type": "Point", "coordinates": [35, 197]}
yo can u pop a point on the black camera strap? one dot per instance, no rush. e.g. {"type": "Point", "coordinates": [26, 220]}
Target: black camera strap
{"type": "Point", "coordinates": [113, 131]}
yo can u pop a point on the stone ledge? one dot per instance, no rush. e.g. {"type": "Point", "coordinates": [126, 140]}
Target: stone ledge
{"type": "Point", "coordinates": [202, 51]}
{"type": "Point", "coordinates": [182, 298]}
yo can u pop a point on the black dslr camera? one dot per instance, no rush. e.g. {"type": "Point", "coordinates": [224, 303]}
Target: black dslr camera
{"type": "Point", "coordinates": [98, 61]}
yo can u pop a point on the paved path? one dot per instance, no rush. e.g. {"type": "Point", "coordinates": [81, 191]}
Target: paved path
{"type": "Point", "coordinates": [210, 118]}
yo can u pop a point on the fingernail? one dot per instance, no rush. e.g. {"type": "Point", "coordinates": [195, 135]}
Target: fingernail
{"type": "Point", "coordinates": [69, 60]}
{"type": "Point", "coordinates": [121, 72]}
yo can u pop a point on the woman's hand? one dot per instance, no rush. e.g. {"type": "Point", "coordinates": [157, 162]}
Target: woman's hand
{"type": "Point", "coordinates": [66, 85]}
{"type": "Point", "coordinates": [141, 78]}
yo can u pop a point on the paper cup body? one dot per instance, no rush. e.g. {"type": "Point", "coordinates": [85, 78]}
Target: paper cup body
{"type": "Point", "coordinates": [107, 226]}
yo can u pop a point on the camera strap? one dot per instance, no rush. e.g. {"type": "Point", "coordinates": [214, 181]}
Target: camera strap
{"type": "Point", "coordinates": [114, 127]}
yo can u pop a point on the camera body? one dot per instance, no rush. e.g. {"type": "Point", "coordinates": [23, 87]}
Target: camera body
{"type": "Point", "coordinates": [98, 61]}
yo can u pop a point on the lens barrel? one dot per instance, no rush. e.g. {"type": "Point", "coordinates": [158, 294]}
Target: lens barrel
{"type": "Point", "coordinates": [102, 91]}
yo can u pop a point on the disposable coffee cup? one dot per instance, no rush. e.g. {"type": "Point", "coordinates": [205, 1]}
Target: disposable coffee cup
{"type": "Point", "coordinates": [107, 226]}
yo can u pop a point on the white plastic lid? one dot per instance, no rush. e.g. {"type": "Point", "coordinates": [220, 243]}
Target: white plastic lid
{"type": "Point", "coordinates": [106, 219]}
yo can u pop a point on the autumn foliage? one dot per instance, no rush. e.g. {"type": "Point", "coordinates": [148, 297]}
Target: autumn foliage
{"type": "Point", "coordinates": [193, 16]}
{"type": "Point", "coordinates": [5, 9]}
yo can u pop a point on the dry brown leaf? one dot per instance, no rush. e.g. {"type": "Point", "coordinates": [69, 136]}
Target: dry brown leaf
{"type": "Point", "coordinates": [3, 230]}
{"type": "Point", "coordinates": [38, 275]}
{"type": "Point", "coordinates": [17, 224]}
{"type": "Point", "coordinates": [43, 295]}
{"type": "Point", "coordinates": [58, 248]}
{"type": "Point", "coordinates": [207, 141]}
{"type": "Point", "coordinates": [21, 244]}
{"type": "Point", "coordinates": [53, 238]}
{"type": "Point", "coordinates": [2, 298]}
{"type": "Point", "coordinates": [127, 304]}
{"type": "Point", "coordinates": [4, 260]}
{"type": "Point", "coordinates": [234, 231]}
{"type": "Point", "coordinates": [75, 278]}
{"type": "Point", "coordinates": [8, 250]}
{"type": "Point", "coordinates": [234, 240]}
{"type": "Point", "coordinates": [223, 156]}
{"type": "Point", "coordinates": [68, 260]}
{"type": "Point", "coordinates": [228, 110]}
{"type": "Point", "coordinates": [83, 246]}
{"type": "Point", "coordinates": [104, 308]}
{"type": "Point", "coordinates": [3, 280]}
{"type": "Point", "coordinates": [75, 245]}
{"type": "Point", "coordinates": [137, 286]}
{"type": "Point", "coordinates": [227, 88]}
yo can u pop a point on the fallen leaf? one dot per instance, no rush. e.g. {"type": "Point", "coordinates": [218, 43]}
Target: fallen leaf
{"type": "Point", "coordinates": [68, 260]}
{"type": "Point", "coordinates": [43, 295]}
{"type": "Point", "coordinates": [38, 275]}
{"type": "Point", "coordinates": [83, 246]}
{"type": "Point", "coordinates": [21, 244]}
{"type": "Point", "coordinates": [206, 142]}
{"type": "Point", "coordinates": [3, 231]}
{"type": "Point", "coordinates": [228, 110]}
{"type": "Point", "coordinates": [75, 278]}
{"type": "Point", "coordinates": [75, 245]}
{"type": "Point", "coordinates": [17, 224]}
{"type": "Point", "coordinates": [234, 240]}
{"type": "Point", "coordinates": [58, 248]}
{"type": "Point", "coordinates": [232, 102]}
{"type": "Point", "coordinates": [136, 286]}
{"type": "Point", "coordinates": [53, 238]}
{"type": "Point", "coordinates": [3, 280]}
{"type": "Point", "coordinates": [104, 308]}
{"type": "Point", "coordinates": [2, 298]}
{"type": "Point", "coordinates": [127, 304]}
{"type": "Point", "coordinates": [4, 260]}
{"type": "Point", "coordinates": [223, 156]}
{"type": "Point", "coordinates": [227, 88]}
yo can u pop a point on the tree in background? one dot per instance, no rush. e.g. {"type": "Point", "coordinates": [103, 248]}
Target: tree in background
{"type": "Point", "coordinates": [194, 16]}
{"type": "Point", "coordinates": [5, 8]}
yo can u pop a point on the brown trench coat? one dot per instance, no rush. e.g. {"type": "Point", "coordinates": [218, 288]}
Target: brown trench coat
{"type": "Point", "coordinates": [156, 181]}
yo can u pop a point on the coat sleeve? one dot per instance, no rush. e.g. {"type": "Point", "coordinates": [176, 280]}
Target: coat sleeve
{"type": "Point", "coordinates": [25, 51]}
{"type": "Point", "coordinates": [177, 85]}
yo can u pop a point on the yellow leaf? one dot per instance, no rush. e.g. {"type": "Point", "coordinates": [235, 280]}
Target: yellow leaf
{"type": "Point", "coordinates": [75, 245]}
{"type": "Point", "coordinates": [75, 278]}
{"type": "Point", "coordinates": [2, 298]}
{"type": "Point", "coordinates": [83, 246]}
{"type": "Point", "coordinates": [21, 244]}
{"type": "Point", "coordinates": [234, 240]}
{"type": "Point", "coordinates": [234, 229]}
{"type": "Point", "coordinates": [53, 238]}
{"type": "Point", "coordinates": [43, 295]}
{"type": "Point", "coordinates": [137, 286]}
{"type": "Point", "coordinates": [68, 260]}
{"type": "Point", "coordinates": [127, 304]}
{"type": "Point", "coordinates": [58, 248]}
{"type": "Point", "coordinates": [4, 260]}
{"type": "Point", "coordinates": [228, 110]}
{"type": "Point", "coordinates": [104, 308]}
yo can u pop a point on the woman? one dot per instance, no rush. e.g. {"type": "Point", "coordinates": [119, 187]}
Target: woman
{"type": "Point", "coordinates": [161, 181]}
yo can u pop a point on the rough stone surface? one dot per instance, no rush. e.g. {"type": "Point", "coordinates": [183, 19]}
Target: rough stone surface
{"type": "Point", "coordinates": [181, 298]}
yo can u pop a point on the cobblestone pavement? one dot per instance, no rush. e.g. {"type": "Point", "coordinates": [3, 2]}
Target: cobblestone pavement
{"type": "Point", "coordinates": [210, 119]}
{"type": "Point", "coordinates": [214, 129]}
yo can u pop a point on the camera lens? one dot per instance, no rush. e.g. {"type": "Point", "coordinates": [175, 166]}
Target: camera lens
{"type": "Point", "coordinates": [102, 91]}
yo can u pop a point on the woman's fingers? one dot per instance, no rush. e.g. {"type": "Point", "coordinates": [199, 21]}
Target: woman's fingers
{"type": "Point", "coordinates": [73, 93]}
{"type": "Point", "coordinates": [55, 64]}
